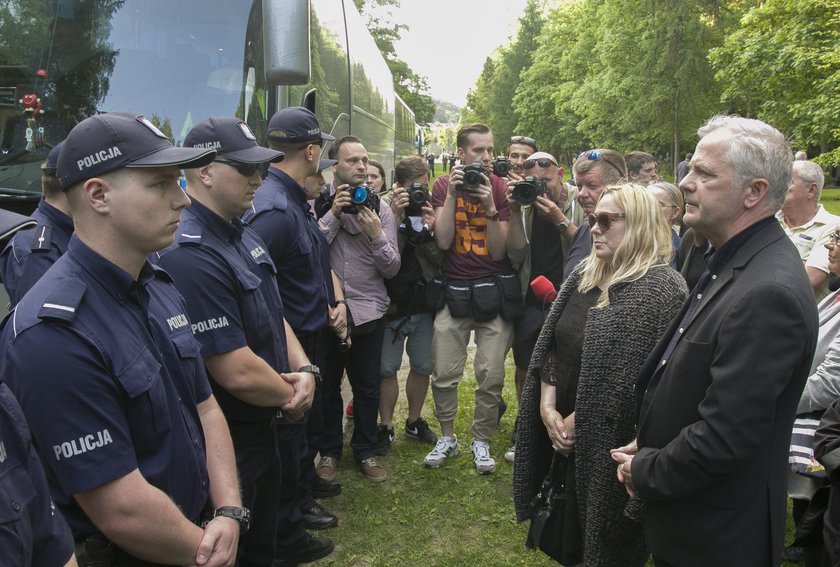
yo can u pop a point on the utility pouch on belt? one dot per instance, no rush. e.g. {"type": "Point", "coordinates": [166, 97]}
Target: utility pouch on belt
{"type": "Point", "coordinates": [486, 299]}
{"type": "Point", "coordinates": [511, 293]}
{"type": "Point", "coordinates": [436, 293]}
{"type": "Point", "coordinates": [459, 298]}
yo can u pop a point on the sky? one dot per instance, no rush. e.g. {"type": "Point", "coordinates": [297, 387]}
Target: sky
{"type": "Point", "coordinates": [449, 40]}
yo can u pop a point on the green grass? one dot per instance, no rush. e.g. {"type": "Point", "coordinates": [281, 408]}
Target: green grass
{"type": "Point", "coordinates": [831, 199]}
{"type": "Point", "coordinates": [446, 516]}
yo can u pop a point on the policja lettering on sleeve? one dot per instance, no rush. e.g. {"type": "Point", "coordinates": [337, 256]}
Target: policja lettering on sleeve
{"type": "Point", "coordinates": [89, 442]}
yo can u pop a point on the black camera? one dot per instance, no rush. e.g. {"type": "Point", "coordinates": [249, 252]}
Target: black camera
{"type": "Point", "coordinates": [473, 177]}
{"type": "Point", "coordinates": [418, 194]}
{"type": "Point", "coordinates": [526, 191]}
{"type": "Point", "coordinates": [502, 166]}
{"type": "Point", "coordinates": [361, 196]}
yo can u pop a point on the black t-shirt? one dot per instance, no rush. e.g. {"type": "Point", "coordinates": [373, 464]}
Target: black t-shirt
{"type": "Point", "coordinates": [568, 344]}
{"type": "Point", "coordinates": [546, 255]}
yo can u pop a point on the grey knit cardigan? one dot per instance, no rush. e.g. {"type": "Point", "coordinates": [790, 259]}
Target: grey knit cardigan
{"type": "Point", "coordinates": [617, 339]}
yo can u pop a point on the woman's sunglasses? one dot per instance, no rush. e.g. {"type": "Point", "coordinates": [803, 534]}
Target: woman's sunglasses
{"type": "Point", "coordinates": [604, 220]}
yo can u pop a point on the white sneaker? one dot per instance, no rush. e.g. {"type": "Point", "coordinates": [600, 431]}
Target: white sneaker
{"type": "Point", "coordinates": [445, 447]}
{"type": "Point", "coordinates": [484, 463]}
{"type": "Point", "coordinates": [510, 454]}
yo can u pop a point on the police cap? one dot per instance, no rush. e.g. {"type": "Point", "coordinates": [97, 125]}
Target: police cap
{"type": "Point", "coordinates": [106, 142]}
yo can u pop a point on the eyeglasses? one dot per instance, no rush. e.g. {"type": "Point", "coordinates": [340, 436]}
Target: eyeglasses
{"type": "Point", "coordinates": [542, 162]}
{"type": "Point", "coordinates": [595, 155]}
{"type": "Point", "coordinates": [523, 140]}
{"type": "Point", "coordinates": [834, 238]}
{"type": "Point", "coordinates": [604, 220]}
{"type": "Point", "coordinates": [246, 169]}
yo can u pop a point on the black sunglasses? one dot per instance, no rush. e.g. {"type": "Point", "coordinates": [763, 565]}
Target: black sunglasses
{"type": "Point", "coordinates": [542, 162]}
{"type": "Point", "coordinates": [604, 220]}
{"type": "Point", "coordinates": [595, 155]}
{"type": "Point", "coordinates": [246, 169]}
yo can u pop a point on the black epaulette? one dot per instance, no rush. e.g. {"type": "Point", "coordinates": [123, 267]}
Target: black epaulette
{"type": "Point", "coordinates": [63, 302]}
{"type": "Point", "coordinates": [42, 238]}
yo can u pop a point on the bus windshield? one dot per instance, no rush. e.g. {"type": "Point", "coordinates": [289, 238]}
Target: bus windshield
{"type": "Point", "coordinates": [174, 62]}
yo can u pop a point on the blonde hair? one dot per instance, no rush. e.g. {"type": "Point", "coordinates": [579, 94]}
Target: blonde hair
{"type": "Point", "coordinates": [673, 193]}
{"type": "Point", "coordinates": [646, 243]}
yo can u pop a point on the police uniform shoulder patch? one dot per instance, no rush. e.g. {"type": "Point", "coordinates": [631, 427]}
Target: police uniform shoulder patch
{"type": "Point", "coordinates": [63, 302]}
{"type": "Point", "coordinates": [41, 238]}
{"type": "Point", "coordinates": [190, 233]}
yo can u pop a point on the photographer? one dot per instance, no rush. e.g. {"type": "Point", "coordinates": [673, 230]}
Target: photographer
{"type": "Point", "coordinates": [520, 149]}
{"type": "Point", "coordinates": [363, 252]}
{"type": "Point", "coordinates": [544, 217]}
{"type": "Point", "coordinates": [409, 322]}
{"type": "Point", "coordinates": [472, 216]}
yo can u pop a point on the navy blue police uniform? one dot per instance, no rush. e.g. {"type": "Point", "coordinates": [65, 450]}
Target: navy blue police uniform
{"type": "Point", "coordinates": [118, 388]}
{"type": "Point", "coordinates": [228, 281]}
{"type": "Point", "coordinates": [29, 254]}
{"type": "Point", "coordinates": [32, 531]}
{"type": "Point", "coordinates": [282, 216]}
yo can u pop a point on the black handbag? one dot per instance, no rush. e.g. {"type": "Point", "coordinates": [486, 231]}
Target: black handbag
{"type": "Point", "coordinates": [555, 526]}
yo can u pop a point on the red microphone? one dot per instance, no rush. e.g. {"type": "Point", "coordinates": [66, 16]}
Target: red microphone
{"type": "Point", "coordinates": [543, 289]}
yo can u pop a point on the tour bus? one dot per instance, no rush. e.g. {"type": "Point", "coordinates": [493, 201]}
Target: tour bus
{"type": "Point", "coordinates": [180, 61]}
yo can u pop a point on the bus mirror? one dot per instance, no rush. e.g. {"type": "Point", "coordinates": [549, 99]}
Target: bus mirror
{"type": "Point", "coordinates": [286, 41]}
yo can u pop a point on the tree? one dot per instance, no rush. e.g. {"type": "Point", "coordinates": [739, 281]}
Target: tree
{"type": "Point", "coordinates": [411, 87]}
{"type": "Point", "coordinates": [783, 66]}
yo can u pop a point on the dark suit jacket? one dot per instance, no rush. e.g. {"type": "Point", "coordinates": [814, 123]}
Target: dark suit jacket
{"type": "Point", "coordinates": [715, 421]}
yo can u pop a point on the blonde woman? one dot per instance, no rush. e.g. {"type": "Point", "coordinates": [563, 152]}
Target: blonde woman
{"type": "Point", "coordinates": [579, 392]}
{"type": "Point", "coordinates": [671, 200]}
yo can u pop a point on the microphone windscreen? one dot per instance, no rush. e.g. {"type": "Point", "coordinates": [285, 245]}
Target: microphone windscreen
{"type": "Point", "coordinates": [543, 289]}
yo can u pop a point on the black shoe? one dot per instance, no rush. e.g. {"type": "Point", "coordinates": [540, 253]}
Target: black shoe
{"type": "Point", "coordinates": [316, 517]}
{"type": "Point", "coordinates": [309, 550]}
{"type": "Point", "coordinates": [385, 436]}
{"type": "Point", "coordinates": [419, 429]}
{"type": "Point", "coordinates": [324, 489]}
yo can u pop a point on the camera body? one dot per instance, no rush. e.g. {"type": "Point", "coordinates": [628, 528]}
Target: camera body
{"type": "Point", "coordinates": [526, 191]}
{"type": "Point", "coordinates": [361, 196]}
{"type": "Point", "coordinates": [472, 177]}
{"type": "Point", "coordinates": [502, 166]}
{"type": "Point", "coordinates": [418, 194]}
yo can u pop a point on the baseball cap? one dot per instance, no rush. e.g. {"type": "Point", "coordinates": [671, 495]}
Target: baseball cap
{"type": "Point", "coordinates": [296, 124]}
{"type": "Point", "coordinates": [11, 222]}
{"type": "Point", "coordinates": [106, 142]}
{"type": "Point", "coordinates": [51, 164]}
{"type": "Point", "coordinates": [325, 163]}
{"type": "Point", "coordinates": [232, 138]}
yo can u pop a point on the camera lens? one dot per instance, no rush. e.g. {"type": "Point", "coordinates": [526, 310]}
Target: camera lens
{"type": "Point", "coordinates": [358, 195]}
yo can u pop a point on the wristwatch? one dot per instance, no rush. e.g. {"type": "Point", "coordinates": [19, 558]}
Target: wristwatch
{"type": "Point", "coordinates": [314, 370]}
{"type": "Point", "coordinates": [563, 226]}
{"type": "Point", "coordinates": [241, 515]}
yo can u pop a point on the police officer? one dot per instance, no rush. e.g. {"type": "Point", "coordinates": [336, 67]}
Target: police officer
{"type": "Point", "coordinates": [283, 217]}
{"type": "Point", "coordinates": [227, 278]}
{"type": "Point", "coordinates": [39, 534]}
{"type": "Point", "coordinates": [29, 254]}
{"type": "Point", "coordinates": [101, 356]}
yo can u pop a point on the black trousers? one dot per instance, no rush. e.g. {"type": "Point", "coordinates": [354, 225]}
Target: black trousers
{"type": "Point", "coordinates": [290, 530]}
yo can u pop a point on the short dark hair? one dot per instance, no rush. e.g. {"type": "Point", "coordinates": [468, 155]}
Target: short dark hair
{"type": "Point", "coordinates": [333, 153]}
{"type": "Point", "coordinates": [411, 167]}
{"type": "Point", "coordinates": [50, 185]}
{"type": "Point", "coordinates": [464, 133]}
{"type": "Point", "coordinates": [524, 141]}
{"type": "Point", "coordinates": [635, 161]}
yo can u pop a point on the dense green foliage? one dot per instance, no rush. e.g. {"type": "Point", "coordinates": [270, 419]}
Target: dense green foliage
{"type": "Point", "coordinates": [644, 74]}
{"type": "Point", "coordinates": [412, 88]}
